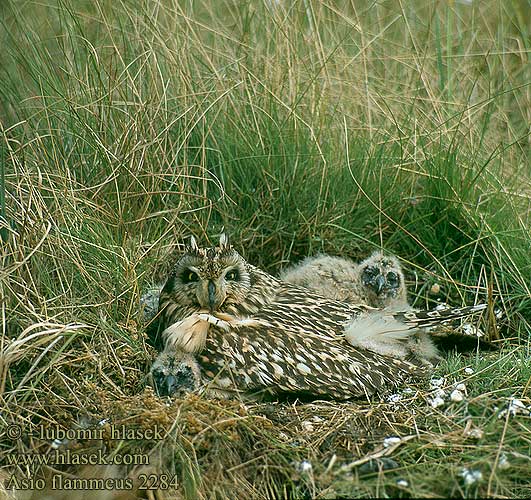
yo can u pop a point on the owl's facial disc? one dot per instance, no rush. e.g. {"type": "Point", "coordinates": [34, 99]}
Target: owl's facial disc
{"type": "Point", "coordinates": [229, 285]}
{"type": "Point", "coordinates": [210, 278]}
{"type": "Point", "coordinates": [381, 282]}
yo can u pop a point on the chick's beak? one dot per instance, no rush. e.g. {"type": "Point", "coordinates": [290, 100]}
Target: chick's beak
{"type": "Point", "coordinates": [379, 284]}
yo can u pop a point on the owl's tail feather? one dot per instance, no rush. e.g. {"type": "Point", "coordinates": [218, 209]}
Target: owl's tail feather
{"type": "Point", "coordinates": [388, 326]}
{"type": "Point", "coordinates": [426, 319]}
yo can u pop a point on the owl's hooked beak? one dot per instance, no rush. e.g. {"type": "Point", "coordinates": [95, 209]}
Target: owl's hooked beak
{"type": "Point", "coordinates": [379, 284]}
{"type": "Point", "coordinates": [211, 295]}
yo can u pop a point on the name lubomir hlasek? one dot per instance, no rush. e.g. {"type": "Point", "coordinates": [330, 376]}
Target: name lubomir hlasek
{"type": "Point", "coordinates": [114, 432]}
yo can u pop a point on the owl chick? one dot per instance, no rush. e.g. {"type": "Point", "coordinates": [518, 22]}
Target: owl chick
{"type": "Point", "coordinates": [259, 334]}
{"type": "Point", "coordinates": [378, 281]}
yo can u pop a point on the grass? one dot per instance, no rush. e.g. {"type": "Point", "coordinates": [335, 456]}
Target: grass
{"type": "Point", "coordinates": [301, 127]}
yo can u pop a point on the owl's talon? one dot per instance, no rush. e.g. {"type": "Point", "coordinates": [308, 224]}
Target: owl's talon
{"type": "Point", "coordinates": [209, 318]}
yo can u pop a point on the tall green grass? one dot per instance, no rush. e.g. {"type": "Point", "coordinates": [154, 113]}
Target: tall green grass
{"type": "Point", "coordinates": [299, 129]}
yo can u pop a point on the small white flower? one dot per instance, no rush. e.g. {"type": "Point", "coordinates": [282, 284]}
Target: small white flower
{"type": "Point", "coordinates": [503, 462]}
{"type": "Point", "coordinates": [307, 426]}
{"type": "Point", "coordinates": [394, 398]}
{"type": "Point", "coordinates": [515, 407]}
{"type": "Point", "coordinates": [436, 402]}
{"type": "Point", "coordinates": [471, 476]}
{"type": "Point", "coordinates": [56, 444]}
{"type": "Point", "coordinates": [436, 382]}
{"type": "Point", "coordinates": [456, 396]}
{"type": "Point", "coordinates": [469, 371]}
{"type": "Point", "coordinates": [474, 433]}
{"type": "Point", "coordinates": [461, 387]}
{"type": "Point", "coordinates": [439, 393]}
{"type": "Point", "coordinates": [303, 467]}
{"type": "Point", "coordinates": [390, 441]}
{"type": "Point", "coordinates": [402, 483]}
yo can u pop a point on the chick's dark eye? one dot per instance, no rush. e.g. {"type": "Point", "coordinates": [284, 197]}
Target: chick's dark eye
{"type": "Point", "coordinates": [189, 276]}
{"type": "Point", "coordinates": [392, 278]}
{"type": "Point", "coordinates": [233, 275]}
{"type": "Point", "coordinates": [370, 272]}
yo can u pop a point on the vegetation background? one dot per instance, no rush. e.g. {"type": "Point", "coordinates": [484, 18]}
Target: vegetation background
{"type": "Point", "coordinates": [301, 127]}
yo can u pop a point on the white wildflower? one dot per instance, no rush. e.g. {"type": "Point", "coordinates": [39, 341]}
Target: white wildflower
{"type": "Point", "coordinates": [304, 467]}
{"type": "Point", "coordinates": [307, 426]}
{"type": "Point", "coordinates": [394, 398]}
{"type": "Point", "coordinates": [439, 393]}
{"type": "Point", "coordinates": [474, 433]}
{"type": "Point", "coordinates": [390, 441]}
{"type": "Point", "coordinates": [436, 402]}
{"type": "Point", "coordinates": [456, 396]}
{"type": "Point", "coordinates": [436, 382]}
{"type": "Point", "coordinates": [503, 462]}
{"type": "Point", "coordinates": [471, 476]}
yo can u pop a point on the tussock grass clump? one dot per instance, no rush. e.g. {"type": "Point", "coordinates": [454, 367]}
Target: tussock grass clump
{"type": "Point", "coordinates": [300, 127]}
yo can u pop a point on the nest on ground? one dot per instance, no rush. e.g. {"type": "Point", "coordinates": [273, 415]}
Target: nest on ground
{"type": "Point", "coordinates": [86, 383]}
{"type": "Point", "coordinates": [80, 378]}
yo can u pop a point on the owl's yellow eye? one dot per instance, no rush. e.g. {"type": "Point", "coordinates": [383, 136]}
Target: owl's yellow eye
{"type": "Point", "coordinates": [233, 275]}
{"type": "Point", "coordinates": [189, 276]}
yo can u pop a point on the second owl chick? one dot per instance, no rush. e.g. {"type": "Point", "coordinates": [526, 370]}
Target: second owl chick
{"type": "Point", "coordinates": [377, 281]}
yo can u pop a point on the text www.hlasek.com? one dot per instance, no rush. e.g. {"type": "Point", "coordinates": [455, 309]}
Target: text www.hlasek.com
{"type": "Point", "coordinates": [68, 458]}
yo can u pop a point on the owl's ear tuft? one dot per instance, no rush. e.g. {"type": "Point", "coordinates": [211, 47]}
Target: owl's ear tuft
{"type": "Point", "coordinates": [192, 246]}
{"type": "Point", "coordinates": [224, 243]}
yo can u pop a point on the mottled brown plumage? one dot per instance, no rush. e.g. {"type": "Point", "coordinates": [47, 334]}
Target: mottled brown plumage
{"type": "Point", "coordinates": [263, 334]}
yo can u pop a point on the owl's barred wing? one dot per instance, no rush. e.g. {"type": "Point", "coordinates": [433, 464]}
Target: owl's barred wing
{"type": "Point", "coordinates": [258, 359]}
{"type": "Point", "coordinates": [426, 319]}
{"type": "Point", "coordinates": [296, 310]}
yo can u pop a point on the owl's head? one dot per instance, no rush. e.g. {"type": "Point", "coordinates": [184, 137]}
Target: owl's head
{"type": "Point", "coordinates": [209, 278]}
{"type": "Point", "coordinates": [383, 278]}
